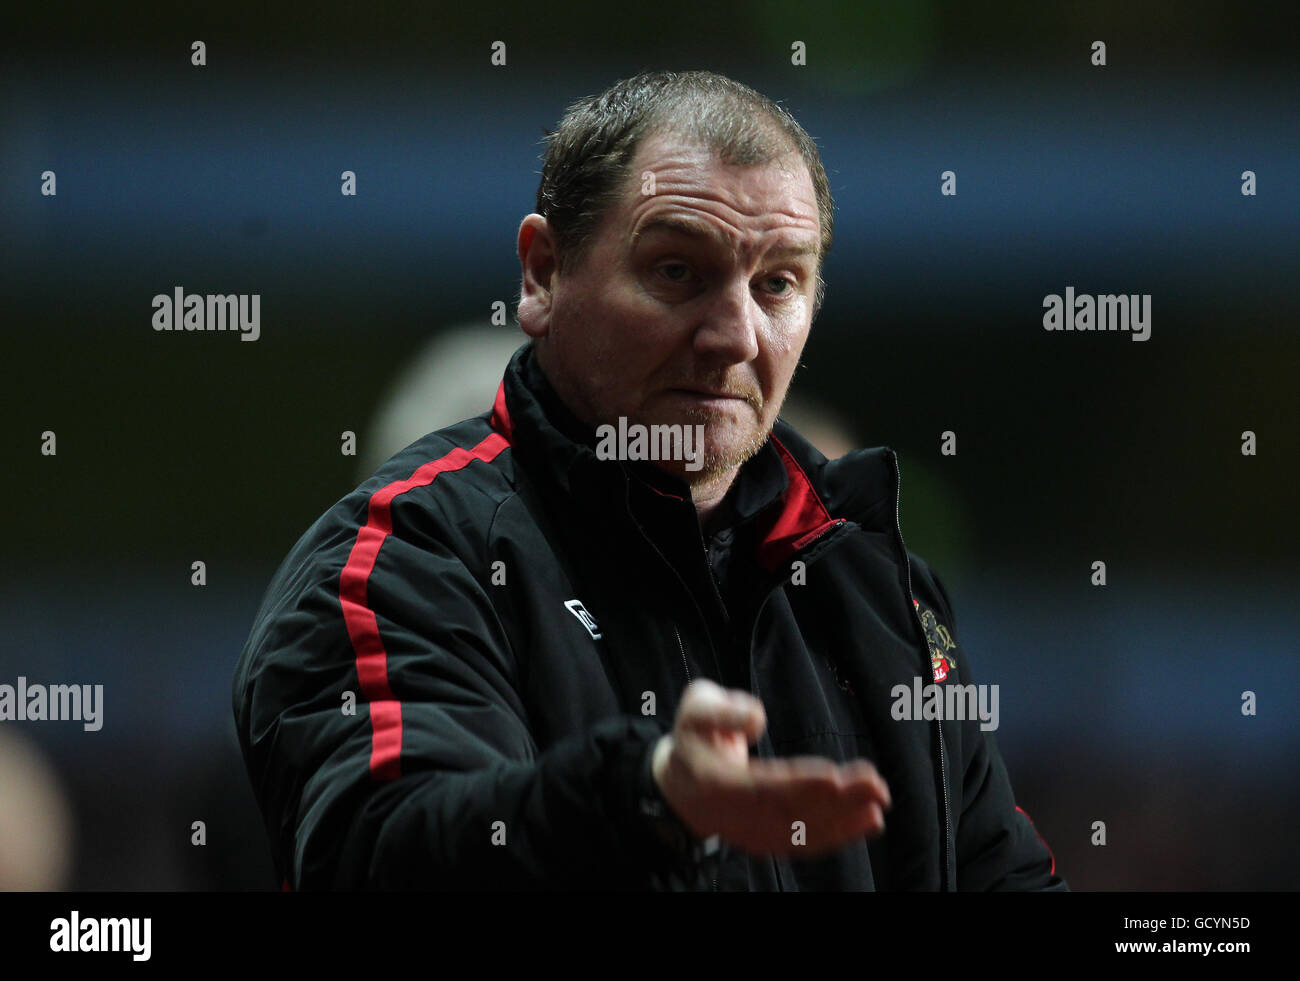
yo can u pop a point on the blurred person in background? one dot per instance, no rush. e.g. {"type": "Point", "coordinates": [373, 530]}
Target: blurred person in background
{"type": "Point", "coordinates": [35, 820]}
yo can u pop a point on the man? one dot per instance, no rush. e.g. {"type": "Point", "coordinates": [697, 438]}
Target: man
{"type": "Point", "coordinates": [524, 655]}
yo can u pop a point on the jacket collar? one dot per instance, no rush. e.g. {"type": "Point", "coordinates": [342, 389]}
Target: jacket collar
{"type": "Point", "coordinates": [810, 498]}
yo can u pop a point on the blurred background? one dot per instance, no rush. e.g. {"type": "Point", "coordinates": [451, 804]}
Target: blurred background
{"type": "Point", "coordinates": [1119, 704]}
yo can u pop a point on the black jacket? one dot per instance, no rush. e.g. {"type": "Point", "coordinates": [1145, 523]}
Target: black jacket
{"type": "Point", "coordinates": [458, 673]}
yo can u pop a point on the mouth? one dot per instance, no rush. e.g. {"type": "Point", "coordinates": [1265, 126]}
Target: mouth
{"type": "Point", "coordinates": [714, 402]}
{"type": "Point", "coordinates": [715, 395]}
{"type": "Point", "coordinates": [704, 393]}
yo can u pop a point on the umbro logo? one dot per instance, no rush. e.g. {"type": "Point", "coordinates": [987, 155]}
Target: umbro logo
{"type": "Point", "coordinates": [586, 619]}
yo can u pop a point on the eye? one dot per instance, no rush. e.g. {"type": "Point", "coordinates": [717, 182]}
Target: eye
{"type": "Point", "coordinates": [785, 281]}
{"type": "Point", "coordinates": [678, 266]}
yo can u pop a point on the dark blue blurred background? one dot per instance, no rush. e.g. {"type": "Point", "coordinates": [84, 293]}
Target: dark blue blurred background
{"type": "Point", "coordinates": [1119, 704]}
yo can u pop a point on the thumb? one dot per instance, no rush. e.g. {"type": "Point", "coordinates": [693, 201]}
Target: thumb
{"type": "Point", "coordinates": [714, 707]}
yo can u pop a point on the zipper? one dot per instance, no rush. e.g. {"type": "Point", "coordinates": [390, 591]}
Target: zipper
{"type": "Point", "coordinates": [753, 630]}
{"type": "Point", "coordinates": [713, 581]}
{"type": "Point", "coordinates": [683, 650]}
{"type": "Point", "coordinates": [943, 766]}
{"type": "Point", "coordinates": [662, 558]}
{"type": "Point", "coordinates": [685, 665]}
{"type": "Point", "coordinates": [776, 865]}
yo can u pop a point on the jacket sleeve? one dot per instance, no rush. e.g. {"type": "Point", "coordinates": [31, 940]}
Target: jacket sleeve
{"type": "Point", "coordinates": [997, 846]}
{"type": "Point", "coordinates": [433, 780]}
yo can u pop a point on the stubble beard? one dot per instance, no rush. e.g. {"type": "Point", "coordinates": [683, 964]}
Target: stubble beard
{"type": "Point", "coordinates": [717, 462]}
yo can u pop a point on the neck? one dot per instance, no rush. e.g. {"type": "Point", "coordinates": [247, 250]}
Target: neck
{"type": "Point", "coordinates": [708, 497]}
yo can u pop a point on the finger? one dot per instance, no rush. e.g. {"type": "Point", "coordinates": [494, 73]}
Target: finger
{"type": "Point", "coordinates": [863, 795]}
{"type": "Point", "coordinates": [833, 825]}
{"type": "Point", "coordinates": [814, 768]}
{"type": "Point", "coordinates": [795, 782]}
{"type": "Point", "coordinates": [810, 783]}
{"type": "Point", "coordinates": [849, 777]}
{"type": "Point", "coordinates": [876, 820]}
{"type": "Point", "coordinates": [864, 772]}
{"type": "Point", "coordinates": [826, 827]}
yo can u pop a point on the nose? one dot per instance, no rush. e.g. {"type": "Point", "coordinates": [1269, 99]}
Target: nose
{"type": "Point", "coordinates": [728, 333]}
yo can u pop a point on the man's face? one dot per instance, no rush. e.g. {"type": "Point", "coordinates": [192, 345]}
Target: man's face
{"type": "Point", "coordinates": [693, 303]}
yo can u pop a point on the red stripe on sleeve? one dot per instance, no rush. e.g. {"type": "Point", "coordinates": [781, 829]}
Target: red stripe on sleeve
{"type": "Point", "coordinates": [363, 626]}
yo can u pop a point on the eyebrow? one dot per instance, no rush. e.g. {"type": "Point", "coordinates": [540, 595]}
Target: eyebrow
{"type": "Point", "coordinates": [694, 229]}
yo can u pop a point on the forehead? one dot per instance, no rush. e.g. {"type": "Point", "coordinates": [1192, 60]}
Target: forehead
{"type": "Point", "coordinates": [746, 204]}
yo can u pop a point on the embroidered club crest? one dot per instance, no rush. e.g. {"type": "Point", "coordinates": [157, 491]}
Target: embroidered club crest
{"type": "Point", "coordinates": [940, 642]}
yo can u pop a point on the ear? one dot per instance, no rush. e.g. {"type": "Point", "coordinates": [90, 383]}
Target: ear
{"type": "Point", "coordinates": [537, 251]}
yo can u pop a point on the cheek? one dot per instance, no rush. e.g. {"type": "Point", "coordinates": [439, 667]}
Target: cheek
{"type": "Point", "coordinates": [788, 329]}
{"type": "Point", "coordinates": [638, 334]}
{"type": "Point", "coordinates": [781, 345]}
{"type": "Point", "coordinates": [624, 343]}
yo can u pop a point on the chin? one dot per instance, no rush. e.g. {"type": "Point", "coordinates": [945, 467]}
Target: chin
{"type": "Point", "coordinates": [724, 452]}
